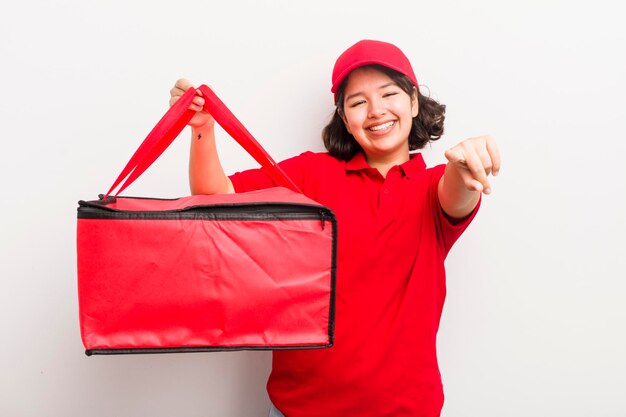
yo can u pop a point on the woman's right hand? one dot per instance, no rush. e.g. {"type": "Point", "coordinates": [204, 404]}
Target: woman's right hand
{"type": "Point", "coordinates": [201, 118]}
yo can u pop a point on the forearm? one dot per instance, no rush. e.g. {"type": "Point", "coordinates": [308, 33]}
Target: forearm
{"type": "Point", "coordinates": [454, 196]}
{"type": "Point", "coordinates": [469, 164]}
{"type": "Point", "coordinates": [206, 175]}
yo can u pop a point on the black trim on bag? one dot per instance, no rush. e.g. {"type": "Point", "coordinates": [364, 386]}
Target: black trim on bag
{"type": "Point", "coordinates": [333, 282]}
{"type": "Point", "coordinates": [202, 214]}
{"type": "Point", "coordinates": [194, 349]}
{"type": "Point", "coordinates": [278, 211]}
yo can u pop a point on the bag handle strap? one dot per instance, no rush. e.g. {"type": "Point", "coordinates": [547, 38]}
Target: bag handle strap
{"type": "Point", "coordinates": [237, 131]}
{"type": "Point", "coordinates": [175, 120]}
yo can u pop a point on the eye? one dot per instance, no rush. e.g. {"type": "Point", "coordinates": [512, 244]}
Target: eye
{"type": "Point", "coordinates": [389, 94]}
{"type": "Point", "coordinates": [356, 103]}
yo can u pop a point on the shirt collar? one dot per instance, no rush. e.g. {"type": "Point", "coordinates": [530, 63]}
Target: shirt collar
{"type": "Point", "coordinates": [410, 168]}
{"type": "Point", "coordinates": [357, 163]}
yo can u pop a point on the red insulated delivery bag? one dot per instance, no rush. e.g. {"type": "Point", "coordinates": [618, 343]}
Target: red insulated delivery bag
{"type": "Point", "coordinates": [204, 273]}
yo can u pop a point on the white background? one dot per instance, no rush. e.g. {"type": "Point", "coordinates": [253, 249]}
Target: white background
{"type": "Point", "coordinates": [535, 320]}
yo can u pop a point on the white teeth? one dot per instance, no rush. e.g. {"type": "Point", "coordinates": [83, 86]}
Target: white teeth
{"type": "Point", "coordinates": [383, 126]}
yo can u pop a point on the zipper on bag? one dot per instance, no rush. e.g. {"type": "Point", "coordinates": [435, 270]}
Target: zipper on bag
{"type": "Point", "coordinates": [261, 211]}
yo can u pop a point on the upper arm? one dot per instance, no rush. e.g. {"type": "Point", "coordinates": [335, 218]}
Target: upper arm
{"type": "Point", "coordinates": [256, 179]}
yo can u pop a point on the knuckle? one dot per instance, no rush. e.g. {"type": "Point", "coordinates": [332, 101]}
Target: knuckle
{"type": "Point", "coordinates": [182, 84]}
{"type": "Point", "coordinates": [476, 170]}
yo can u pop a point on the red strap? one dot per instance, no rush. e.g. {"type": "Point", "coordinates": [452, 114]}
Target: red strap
{"type": "Point", "coordinates": [159, 138]}
{"type": "Point", "coordinates": [234, 128]}
{"type": "Point", "coordinates": [175, 120]}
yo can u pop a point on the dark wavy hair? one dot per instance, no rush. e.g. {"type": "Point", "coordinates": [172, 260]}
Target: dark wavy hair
{"type": "Point", "coordinates": [427, 125]}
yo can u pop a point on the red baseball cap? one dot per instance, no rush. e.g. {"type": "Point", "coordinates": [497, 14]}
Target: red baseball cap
{"type": "Point", "coordinates": [368, 52]}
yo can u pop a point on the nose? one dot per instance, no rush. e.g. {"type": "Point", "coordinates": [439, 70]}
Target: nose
{"type": "Point", "coordinates": [376, 109]}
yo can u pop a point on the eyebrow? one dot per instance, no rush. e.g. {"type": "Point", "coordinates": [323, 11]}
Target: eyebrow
{"type": "Point", "coordinates": [380, 88]}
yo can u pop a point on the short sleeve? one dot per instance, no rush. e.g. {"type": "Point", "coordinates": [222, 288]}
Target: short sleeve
{"type": "Point", "coordinates": [449, 229]}
{"type": "Point", "coordinates": [257, 179]}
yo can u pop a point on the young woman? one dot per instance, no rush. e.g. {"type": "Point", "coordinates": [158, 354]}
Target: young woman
{"type": "Point", "coordinates": [397, 220]}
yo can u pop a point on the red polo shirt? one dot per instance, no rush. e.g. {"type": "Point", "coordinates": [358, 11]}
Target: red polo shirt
{"type": "Point", "coordinates": [393, 238]}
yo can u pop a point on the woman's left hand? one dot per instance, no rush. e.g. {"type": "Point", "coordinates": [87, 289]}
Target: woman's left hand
{"type": "Point", "coordinates": [474, 159]}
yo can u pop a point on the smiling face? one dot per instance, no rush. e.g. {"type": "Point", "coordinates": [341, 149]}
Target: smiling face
{"type": "Point", "coordinates": [379, 115]}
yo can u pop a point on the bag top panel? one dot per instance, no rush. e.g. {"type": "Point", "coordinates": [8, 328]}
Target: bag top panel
{"type": "Point", "coordinates": [269, 195]}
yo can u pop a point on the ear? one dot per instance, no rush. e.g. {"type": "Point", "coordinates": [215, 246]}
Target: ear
{"type": "Point", "coordinates": [415, 107]}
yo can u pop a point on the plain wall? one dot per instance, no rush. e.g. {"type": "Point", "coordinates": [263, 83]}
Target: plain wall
{"type": "Point", "coordinates": [534, 321]}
